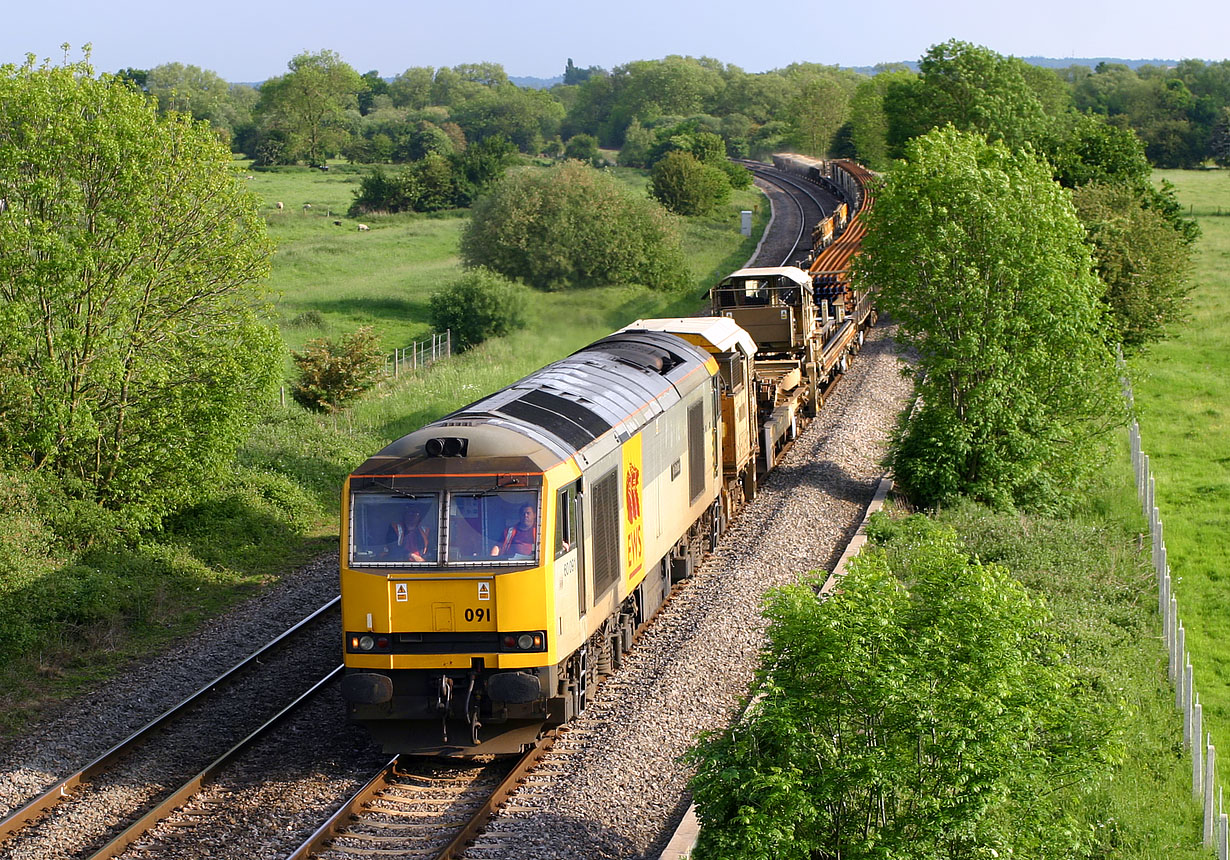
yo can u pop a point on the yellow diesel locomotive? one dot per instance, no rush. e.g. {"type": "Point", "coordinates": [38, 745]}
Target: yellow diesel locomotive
{"type": "Point", "coordinates": [496, 562]}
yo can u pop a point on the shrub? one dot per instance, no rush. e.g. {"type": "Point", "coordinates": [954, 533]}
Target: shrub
{"type": "Point", "coordinates": [584, 147]}
{"type": "Point", "coordinates": [572, 226]}
{"type": "Point", "coordinates": [688, 186]}
{"type": "Point", "coordinates": [481, 304]}
{"type": "Point", "coordinates": [332, 373]}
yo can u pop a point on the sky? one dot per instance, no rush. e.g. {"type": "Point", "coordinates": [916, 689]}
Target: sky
{"type": "Point", "coordinates": [253, 40]}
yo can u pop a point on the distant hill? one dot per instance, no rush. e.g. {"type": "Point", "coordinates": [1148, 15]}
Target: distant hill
{"type": "Point", "coordinates": [537, 83]}
{"type": "Point", "coordinates": [1092, 62]}
{"type": "Point", "coordinates": [1046, 62]}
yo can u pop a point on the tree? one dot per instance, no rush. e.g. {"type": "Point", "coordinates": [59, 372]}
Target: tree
{"type": "Point", "coordinates": [1219, 141]}
{"type": "Point", "coordinates": [917, 712]}
{"type": "Point", "coordinates": [308, 105]}
{"type": "Point", "coordinates": [584, 147]}
{"type": "Point", "coordinates": [572, 226]}
{"type": "Point", "coordinates": [1096, 151]}
{"type": "Point", "coordinates": [479, 305]}
{"type": "Point", "coordinates": [638, 140]}
{"type": "Point", "coordinates": [1142, 261]}
{"type": "Point", "coordinates": [974, 89]}
{"type": "Point", "coordinates": [818, 110]}
{"type": "Point", "coordinates": [134, 357]}
{"type": "Point", "coordinates": [980, 258]}
{"type": "Point", "coordinates": [687, 186]}
{"type": "Point", "coordinates": [868, 120]}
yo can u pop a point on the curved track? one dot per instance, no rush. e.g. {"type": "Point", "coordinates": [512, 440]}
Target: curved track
{"type": "Point", "coordinates": [810, 204]}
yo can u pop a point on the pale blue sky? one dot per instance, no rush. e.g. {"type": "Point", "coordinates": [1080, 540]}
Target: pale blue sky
{"type": "Point", "coordinates": [253, 40]}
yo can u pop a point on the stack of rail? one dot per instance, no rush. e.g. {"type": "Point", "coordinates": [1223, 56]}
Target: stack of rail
{"type": "Point", "coordinates": [830, 269]}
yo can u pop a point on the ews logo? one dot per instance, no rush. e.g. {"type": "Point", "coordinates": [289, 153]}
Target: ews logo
{"type": "Point", "coordinates": [634, 550]}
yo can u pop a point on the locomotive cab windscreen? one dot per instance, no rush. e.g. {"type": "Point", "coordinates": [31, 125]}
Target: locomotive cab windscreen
{"type": "Point", "coordinates": [463, 529]}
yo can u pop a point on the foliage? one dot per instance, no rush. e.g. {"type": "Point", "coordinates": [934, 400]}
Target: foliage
{"type": "Point", "coordinates": [434, 182]}
{"type": "Point", "coordinates": [1096, 151]}
{"type": "Point", "coordinates": [308, 106]}
{"type": "Point", "coordinates": [133, 353]}
{"type": "Point", "coordinates": [1143, 263]}
{"type": "Point", "coordinates": [905, 716]}
{"type": "Point", "coordinates": [201, 93]}
{"type": "Point", "coordinates": [584, 147]}
{"type": "Point", "coordinates": [971, 87]}
{"type": "Point", "coordinates": [572, 226]}
{"type": "Point", "coordinates": [334, 373]}
{"type": "Point", "coordinates": [979, 256]}
{"type": "Point", "coordinates": [688, 186]}
{"type": "Point", "coordinates": [638, 141]}
{"type": "Point", "coordinates": [479, 305]}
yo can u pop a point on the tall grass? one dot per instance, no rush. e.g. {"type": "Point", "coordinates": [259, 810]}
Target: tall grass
{"type": "Point", "coordinates": [1182, 390]}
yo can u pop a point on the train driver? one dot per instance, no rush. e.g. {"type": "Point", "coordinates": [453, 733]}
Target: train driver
{"type": "Point", "coordinates": [520, 540]}
{"type": "Point", "coordinates": [409, 538]}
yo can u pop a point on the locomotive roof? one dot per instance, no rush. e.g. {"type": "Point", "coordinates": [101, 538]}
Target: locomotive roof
{"type": "Point", "coordinates": [722, 334]}
{"type": "Point", "coordinates": [582, 406]}
{"type": "Point", "coordinates": [793, 273]}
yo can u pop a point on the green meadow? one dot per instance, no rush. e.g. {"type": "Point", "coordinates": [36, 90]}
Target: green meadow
{"type": "Point", "coordinates": [1182, 393]}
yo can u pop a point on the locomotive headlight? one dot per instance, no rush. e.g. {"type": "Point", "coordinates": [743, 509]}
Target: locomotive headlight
{"type": "Point", "coordinates": [535, 640]}
{"type": "Point", "coordinates": [367, 643]}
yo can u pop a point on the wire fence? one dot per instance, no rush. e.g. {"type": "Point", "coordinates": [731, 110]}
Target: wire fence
{"type": "Point", "coordinates": [1179, 663]}
{"type": "Point", "coordinates": [419, 354]}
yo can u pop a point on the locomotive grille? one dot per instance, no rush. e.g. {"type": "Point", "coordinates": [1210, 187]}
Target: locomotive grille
{"type": "Point", "coordinates": [606, 531]}
{"type": "Point", "coordinates": [696, 449]}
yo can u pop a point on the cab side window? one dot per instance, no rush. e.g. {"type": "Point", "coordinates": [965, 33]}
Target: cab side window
{"type": "Point", "coordinates": [566, 514]}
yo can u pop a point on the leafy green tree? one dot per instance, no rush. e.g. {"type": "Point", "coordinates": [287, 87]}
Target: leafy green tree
{"type": "Point", "coordinates": [974, 89]}
{"type": "Point", "coordinates": [376, 86]}
{"type": "Point", "coordinates": [687, 186]}
{"type": "Point", "coordinates": [979, 256]}
{"type": "Point", "coordinates": [573, 226]}
{"type": "Point", "coordinates": [412, 88]}
{"type": "Point", "coordinates": [638, 141]}
{"type": "Point", "coordinates": [868, 121]}
{"type": "Point", "coordinates": [1143, 262]}
{"type": "Point", "coordinates": [191, 90]}
{"type": "Point", "coordinates": [922, 710]}
{"type": "Point", "coordinates": [584, 147]}
{"type": "Point", "coordinates": [308, 105]}
{"type": "Point", "coordinates": [134, 357]}
{"type": "Point", "coordinates": [481, 304]}
{"type": "Point", "coordinates": [1096, 151]}
{"type": "Point", "coordinates": [818, 110]}
{"type": "Point", "coordinates": [1219, 140]}
{"type": "Point", "coordinates": [335, 373]}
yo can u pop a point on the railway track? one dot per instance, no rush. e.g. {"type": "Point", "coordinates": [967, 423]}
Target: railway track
{"type": "Point", "coordinates": [809, 205]}
{"type": "Point", "coordinates": [422, 808]}
{"type": "Point", "coordinates": [138, 781]}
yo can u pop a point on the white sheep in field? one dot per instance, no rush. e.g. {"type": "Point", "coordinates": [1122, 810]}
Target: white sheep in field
{"type": "Point", "coordinates": [277, 205]}
{"type": "Point", "coordinates": [363, 228]}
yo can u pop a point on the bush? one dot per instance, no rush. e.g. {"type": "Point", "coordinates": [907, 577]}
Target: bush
{"type": "Point", "coordinates": [687, 186]}
{"type": "Point", "coordinates": [571, 226]}
{"type": "Point", "coordinates": [331, 374]}
{"type": "Point", "coordinates": [481, 304]}
{"type": "Point", "coordinates": [584, 147]}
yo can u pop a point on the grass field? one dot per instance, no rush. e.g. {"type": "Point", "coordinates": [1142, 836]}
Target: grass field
{"type": "Point", "coordinates": [1182, 391]}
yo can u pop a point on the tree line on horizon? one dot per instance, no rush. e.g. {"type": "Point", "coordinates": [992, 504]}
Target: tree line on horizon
{"type": "Point", "coordinates": [322, 107]}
